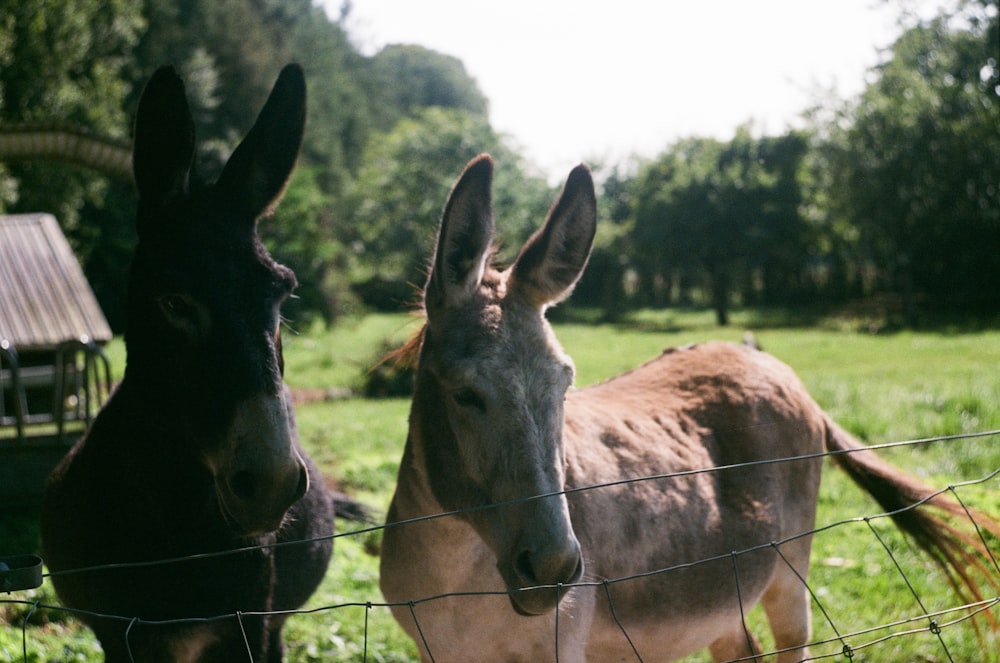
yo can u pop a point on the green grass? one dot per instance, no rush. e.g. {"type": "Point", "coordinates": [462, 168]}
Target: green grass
{"type": "Point", "coordinates": [320, 358]}
{"type": "Point", "coordinates": [884, 388]}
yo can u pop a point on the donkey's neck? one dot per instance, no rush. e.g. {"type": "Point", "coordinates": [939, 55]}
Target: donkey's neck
{"type": "Point", "coordinates": [155, 412]}
{"type": "Point", "coordinates": [155, 447]}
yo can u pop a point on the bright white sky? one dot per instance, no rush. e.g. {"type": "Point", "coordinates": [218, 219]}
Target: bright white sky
{"type": "Point", "coordinates": [581, 80]}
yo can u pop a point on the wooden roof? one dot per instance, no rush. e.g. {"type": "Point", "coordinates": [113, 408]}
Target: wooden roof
{"type": "Point", "coordinates": [44, 297]}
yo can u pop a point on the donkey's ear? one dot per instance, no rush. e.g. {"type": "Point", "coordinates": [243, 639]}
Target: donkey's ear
{"type": "Point", "coordinates": [553, 259]}
{"type": "Point", "coordinates": [256, 174]}
{"type": "Point", "coordinates": [464, 238]}
{"type": "Point", "coordinates": [163, 147]}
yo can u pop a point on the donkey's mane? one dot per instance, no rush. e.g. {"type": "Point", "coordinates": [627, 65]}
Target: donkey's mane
{"type": "Point", "coordinates": [406, 355]}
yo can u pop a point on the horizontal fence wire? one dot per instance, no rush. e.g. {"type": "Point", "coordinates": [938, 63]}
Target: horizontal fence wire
{"type": "Point", "coordinates": [850, 642]}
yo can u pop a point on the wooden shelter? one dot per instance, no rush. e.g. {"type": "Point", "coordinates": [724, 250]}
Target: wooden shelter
{"type": "Point", "coordinates": [53, 373]}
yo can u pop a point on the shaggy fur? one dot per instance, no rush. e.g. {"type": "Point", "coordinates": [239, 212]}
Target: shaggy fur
{"type": "Point", "coordinates": [195, 453]}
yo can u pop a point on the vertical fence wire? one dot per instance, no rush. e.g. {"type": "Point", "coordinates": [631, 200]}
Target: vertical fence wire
{"type": "Point", "coordinates": [558, 598]}
{"type": "Point", "coordinates": [743, 618]}
{"type": "Point", "coordinates": [975, 524]}
{"type": "Point", "coordinates": [420, 631]}
{"type": "Point", "coordinates": [243, 632]}
{"type": "Point", "coordinates": [899, 569]}
{"type": "Point", "coordinates": [368, 609]}
{"type": "Point", "coordinates": [24, 630]}
{"type": "Point", "coordinates": [618, 621]}
{"type": "Point", "coordinates": [128, 645]}
{"type": "Point", "coordinates": [846, 648]}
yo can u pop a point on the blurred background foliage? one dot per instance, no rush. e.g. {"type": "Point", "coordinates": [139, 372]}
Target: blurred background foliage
{"type": "Point", "coordinates": [892, 197]}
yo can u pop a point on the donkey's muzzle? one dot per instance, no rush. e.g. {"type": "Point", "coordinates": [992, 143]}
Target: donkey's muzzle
{"type": "Point", "coordinates": [544, 576]}
{"type": "Point", "coordinates": [262, 473]}
{"type": "Point", "coordinates": [259, 502]}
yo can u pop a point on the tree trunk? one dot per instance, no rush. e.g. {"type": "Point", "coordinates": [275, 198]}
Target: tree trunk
{"type": "Point", "coordinates": [719, 278]}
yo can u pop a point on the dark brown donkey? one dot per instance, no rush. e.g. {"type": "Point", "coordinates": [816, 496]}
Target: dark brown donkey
{"type": "Point", "coordinates": [196, 450]}
{"type": "Point", "coordinates": [529, 571]}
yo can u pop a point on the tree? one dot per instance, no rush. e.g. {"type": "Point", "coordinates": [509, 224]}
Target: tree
{"type": "Point", "coordinates": [602, 284]}
{"type": "Point", "coordinates": [780, 242]}
{"type": "Point", "coordinates": [340, 106]}
{"type": "Point", "coordinates": [301, 234]}
{"type": "Point", "coordinates": [64, 61]}
{"type": "Point", "coordinates": [401, 187]}
{"type": "Point", "coordinates": [68, 62]}
{"type": "Point", "coordinates": [228, 53]}
{"type": "Point", "coordinates": [915, 161]}
{"type": "Point", "coordinates": [406, 78]}
{"type": "Point", "coordinates": [711, 212]}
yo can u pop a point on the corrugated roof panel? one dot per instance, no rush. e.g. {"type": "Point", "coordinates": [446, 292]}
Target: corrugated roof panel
{"type": "Point", "coordinates": [44, 297]}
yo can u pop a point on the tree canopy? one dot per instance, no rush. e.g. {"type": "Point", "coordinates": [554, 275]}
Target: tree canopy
{"type": "Point", "coordinates": [723, 212]}
{"type": "Point", "coordinates": [915, 162]}
{"type": "Point", "coordinates": [895, 192]}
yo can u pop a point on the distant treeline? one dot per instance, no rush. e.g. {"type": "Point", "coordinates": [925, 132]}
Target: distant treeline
{"type": "Point", "coordinates": [894, 194]}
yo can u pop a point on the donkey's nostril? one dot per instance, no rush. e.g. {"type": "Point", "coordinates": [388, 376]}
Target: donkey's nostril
{"type": "Point", "coordinates": [243, 485]}
{"type": "Point", "coordinates": [525, 569]}
{"type": "Point", "coordinates": [565, 567]}
{"type": "Point", "coordinates": [303, 485]}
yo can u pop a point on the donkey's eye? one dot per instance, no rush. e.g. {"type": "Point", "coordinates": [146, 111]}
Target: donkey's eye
{"type": "Point", "coordinates": [184, 313]}
{"type": "Point", "coordinates": [468, 398]}
{"type": "Point", "coordinates": [178, 307]}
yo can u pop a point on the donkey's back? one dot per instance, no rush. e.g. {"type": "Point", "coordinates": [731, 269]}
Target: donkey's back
{"type": "Point", "coordinates": [698, 407]}
{"type": "Point", "coordinates": [678, 419]}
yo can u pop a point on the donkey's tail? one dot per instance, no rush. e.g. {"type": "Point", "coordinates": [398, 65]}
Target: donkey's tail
{"type": "Point", "coordinates": [928, 516]}
{"type": "Point", "coordinates": [348, 508]}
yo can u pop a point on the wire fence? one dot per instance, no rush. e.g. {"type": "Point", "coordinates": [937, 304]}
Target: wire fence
{"type": "Point", "coordinates": [841, 644]}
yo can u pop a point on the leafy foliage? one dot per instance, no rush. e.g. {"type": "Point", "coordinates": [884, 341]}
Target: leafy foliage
{"type": "Point", "coordinates": [412, 167]}
{"type": "Point", "coordinates": [915, 166]}
{"type": "Point", "coordinates": [407, 78]}
{"type": "Point", "coordinates": [893, 195]}
{"type": "Point", "coordinates": [67, 61]}
{"type": "Point", "coordinates": [724, 210]}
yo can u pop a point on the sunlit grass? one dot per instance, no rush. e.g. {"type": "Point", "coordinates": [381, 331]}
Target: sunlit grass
{"type": "Point", "coordinates": [883, 388]}
{"type": "Point", "coordinates": [322, 358]}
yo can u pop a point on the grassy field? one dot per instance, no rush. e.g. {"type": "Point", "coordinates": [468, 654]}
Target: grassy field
{"type": "Point", "coordinates": [884, 388]}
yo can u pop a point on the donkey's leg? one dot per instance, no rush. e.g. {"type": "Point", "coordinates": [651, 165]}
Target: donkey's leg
{"type": "Point", "coordinates": [787, 604]}
{"type": "Point", "coordinates": [162, 644]}
{"type": "Point", "coordinates": [276, 646]}
{"type": "Point", "coordinates": [736, 643]}
{"type": "Point", "coordinates": [116, 650]}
